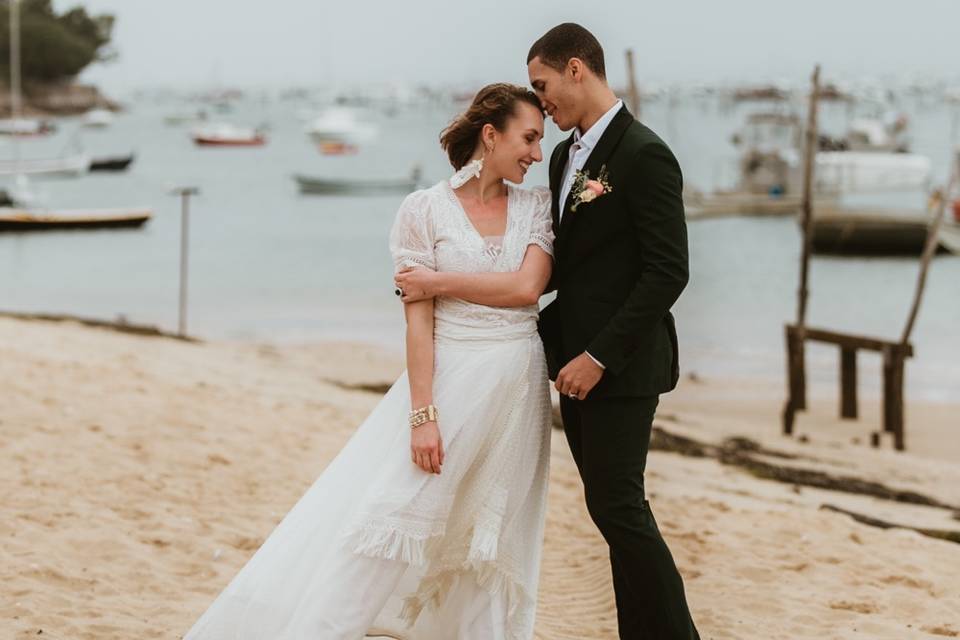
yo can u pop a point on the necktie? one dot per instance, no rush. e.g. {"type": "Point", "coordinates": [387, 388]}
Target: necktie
{"type": "Point", "coordinates": [571, 171]}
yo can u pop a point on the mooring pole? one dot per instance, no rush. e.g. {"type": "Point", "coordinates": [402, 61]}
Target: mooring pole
{"type": "Point", "coordinates": [184, 193]}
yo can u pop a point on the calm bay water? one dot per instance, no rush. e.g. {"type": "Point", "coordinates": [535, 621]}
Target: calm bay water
{"type": "Point", "coordinates": [269, 264]}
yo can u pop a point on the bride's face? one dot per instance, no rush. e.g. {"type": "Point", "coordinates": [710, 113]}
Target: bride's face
{"type": "Point", "coordinates": [517, 147]}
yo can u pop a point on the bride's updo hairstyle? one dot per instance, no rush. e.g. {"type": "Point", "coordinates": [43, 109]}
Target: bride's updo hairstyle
{"type": "Point", "coordinates": [494, 104]}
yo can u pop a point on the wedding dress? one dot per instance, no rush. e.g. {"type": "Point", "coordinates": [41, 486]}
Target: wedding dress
{"type": "Point", "coordinates": [377, 546]}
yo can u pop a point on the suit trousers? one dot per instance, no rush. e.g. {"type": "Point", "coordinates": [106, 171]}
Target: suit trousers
{"type": "Point", "coordinates": [609, 439]}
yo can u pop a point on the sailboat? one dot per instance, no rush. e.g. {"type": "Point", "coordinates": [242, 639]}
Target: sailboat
{"type": "Point", "coordinates": [21, 216]}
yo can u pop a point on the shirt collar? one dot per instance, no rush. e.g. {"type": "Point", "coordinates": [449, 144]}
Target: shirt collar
{"type": "Point", "coordinates": [589, 139]}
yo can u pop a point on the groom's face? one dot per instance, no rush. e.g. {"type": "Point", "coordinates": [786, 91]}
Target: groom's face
{"type": "Point", "coordinates": [556, 92]}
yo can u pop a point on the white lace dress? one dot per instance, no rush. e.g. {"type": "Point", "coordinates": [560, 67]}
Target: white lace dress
{"type": "Point", "coordinates": [377, 546]}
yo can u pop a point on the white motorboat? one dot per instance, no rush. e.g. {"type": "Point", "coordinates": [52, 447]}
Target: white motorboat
{"type": "Point", "coordinates": [340, 127]}
{"type": "Point", "coordinates": [97, 119]}
{"type": "Point", "coordinates": [871, 171]}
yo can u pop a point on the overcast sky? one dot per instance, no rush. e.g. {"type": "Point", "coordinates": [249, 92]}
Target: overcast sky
{"type": "Point", "coordinates": [275, 43]}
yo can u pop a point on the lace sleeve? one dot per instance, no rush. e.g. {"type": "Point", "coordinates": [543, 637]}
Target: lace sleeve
{"type": "Point", "coordinates": [541, 230]}
{"type": "Point", "coordinates": [412, 235]}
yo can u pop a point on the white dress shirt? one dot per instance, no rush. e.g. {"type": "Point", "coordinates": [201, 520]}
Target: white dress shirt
{"type": "Point", "coordinates": [583, 144]}
{"type": "Point", "coordinates": [580, 150]}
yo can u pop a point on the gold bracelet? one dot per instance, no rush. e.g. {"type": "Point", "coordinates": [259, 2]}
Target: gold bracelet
{"type": "Point", "coordinates": [423, 415]}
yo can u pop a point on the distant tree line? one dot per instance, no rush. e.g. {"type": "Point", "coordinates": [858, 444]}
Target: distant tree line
{"type": "Point", "coordinates": [54, 47]}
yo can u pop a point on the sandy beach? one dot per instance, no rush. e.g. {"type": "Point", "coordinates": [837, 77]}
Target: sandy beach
{"type": "Point", "coordinates": [139, 473]}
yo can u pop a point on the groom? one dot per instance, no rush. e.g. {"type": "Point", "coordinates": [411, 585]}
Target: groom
{"type": "Point", "coordinates": [621, 263]}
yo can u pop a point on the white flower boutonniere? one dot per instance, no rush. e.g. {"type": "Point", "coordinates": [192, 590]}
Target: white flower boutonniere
{"type": "Point", "coordinates": [586, 190]}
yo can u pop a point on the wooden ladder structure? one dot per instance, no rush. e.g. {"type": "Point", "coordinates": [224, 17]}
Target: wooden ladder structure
{"type": "Point", "coordinates": [894, 353]}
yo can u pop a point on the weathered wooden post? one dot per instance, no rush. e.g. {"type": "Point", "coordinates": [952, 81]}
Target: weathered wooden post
{"type": "Point", "coordinates": [894, 356]}
{"type": "Point", "coordinates": [633, 92]}
{"type": "Point", "coordinates": [848, 383]}
{"type": "Point", "coordinates": [795, 338]}
{"type": "Point", "coordinates": [14, 60]}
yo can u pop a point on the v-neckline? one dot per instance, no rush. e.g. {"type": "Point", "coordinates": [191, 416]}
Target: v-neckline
{"type": "Point", "coordinates": [466, 216]}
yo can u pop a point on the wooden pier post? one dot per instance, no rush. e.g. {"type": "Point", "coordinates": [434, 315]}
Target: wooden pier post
{"type": "Point", "coordinates": [848, 383]}
{"type": "Point", "coordinates": [794, 379]}
{"type": "Point", "coordinates": [796, 365]}
{"type": "Point", "coordinates": [893, 394]}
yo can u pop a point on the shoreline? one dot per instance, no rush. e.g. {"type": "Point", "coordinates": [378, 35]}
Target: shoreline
{"type": "Point", "coordinates": [763, 368]}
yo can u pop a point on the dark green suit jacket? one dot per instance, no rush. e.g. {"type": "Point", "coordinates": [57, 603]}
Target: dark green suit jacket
{"type": "Point", "coordinates": [620, 264]}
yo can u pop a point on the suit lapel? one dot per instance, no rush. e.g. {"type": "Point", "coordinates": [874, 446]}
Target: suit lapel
{"type": "Point", "coordinates": [598, 157]}
{"type": "Point", "coordinates": [556, 178]}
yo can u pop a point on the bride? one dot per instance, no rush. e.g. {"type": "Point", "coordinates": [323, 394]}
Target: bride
{"type": "Point", "coordinates": [429, 523]}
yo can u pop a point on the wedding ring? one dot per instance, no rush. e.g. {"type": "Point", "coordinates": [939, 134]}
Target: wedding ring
{"type": "Point", "coordinates": [573, 396]}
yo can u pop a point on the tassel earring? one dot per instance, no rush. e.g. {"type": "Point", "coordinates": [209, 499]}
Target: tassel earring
{"type": "Point", "coordinates": [469, 171]}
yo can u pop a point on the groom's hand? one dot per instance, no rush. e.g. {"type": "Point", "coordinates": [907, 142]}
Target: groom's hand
{"type": "Point", "coordinates": [579, 377]}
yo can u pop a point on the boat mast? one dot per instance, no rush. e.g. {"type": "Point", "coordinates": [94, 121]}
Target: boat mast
{"type": "Point", "coordinates": [20, 180]}
{"type": "Point", "coordinates": [15, 59]}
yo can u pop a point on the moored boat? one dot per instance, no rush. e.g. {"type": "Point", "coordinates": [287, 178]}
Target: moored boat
{"type": "Point", "coordinates": [228, 135]}
{"type": "Point", "coordinates": [339, 128]}
{"type": "Point", "coordinates": [18, 219]}
{"type": "Point", "coordinates": [66, 166]}
{"type": "Point", "coordinates": [330, 186]}
{"type": "Point", "coordinates": [97, 119]}
{"type": "Point", "coordinates": [878, 231]}
{"type": "Point", "coordinates": [26, 127]}
{"type": "Point", "coordinates": [111, 163]}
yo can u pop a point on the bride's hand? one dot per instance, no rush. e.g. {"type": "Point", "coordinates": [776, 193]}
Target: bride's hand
{"type": "Point", "coordinates": [416, 284]}
{"type": "Point", "coordinates": [426, 447]}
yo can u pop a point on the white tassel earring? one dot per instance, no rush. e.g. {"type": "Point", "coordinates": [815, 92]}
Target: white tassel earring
{"type": "Point", "coordinates": [469, 171]}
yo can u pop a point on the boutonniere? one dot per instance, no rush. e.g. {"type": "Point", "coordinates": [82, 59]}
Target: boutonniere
{"type": "Point", "coordinates": [586, 190]}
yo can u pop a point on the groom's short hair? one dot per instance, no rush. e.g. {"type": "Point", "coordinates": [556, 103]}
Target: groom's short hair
{"type": "Point", "coordinates": [565, 41]}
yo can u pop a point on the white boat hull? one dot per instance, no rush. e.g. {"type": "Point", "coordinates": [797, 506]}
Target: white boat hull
{"type": "Point", "coordinates": [68, 167]}
{"type": "Point", "coordinates": [865, 172]}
